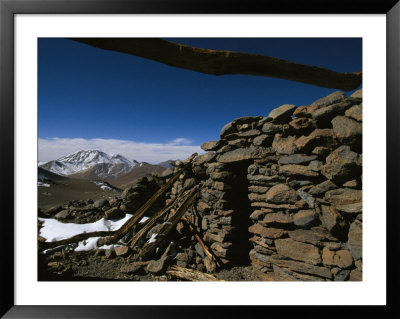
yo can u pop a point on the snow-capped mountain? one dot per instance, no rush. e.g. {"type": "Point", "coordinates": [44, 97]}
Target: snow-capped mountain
{"type": "Point", "coordinates": [90, 164]}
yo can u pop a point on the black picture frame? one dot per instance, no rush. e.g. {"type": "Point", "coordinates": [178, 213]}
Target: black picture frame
{"type": "Point", "coordinates": [9, 8]}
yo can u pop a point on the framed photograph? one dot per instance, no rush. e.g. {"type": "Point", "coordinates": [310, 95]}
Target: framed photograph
{"type": "Point", "coordinates": [172, 154]}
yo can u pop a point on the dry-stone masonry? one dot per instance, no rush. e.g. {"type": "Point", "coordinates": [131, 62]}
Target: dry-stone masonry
{"type": "Point", "coordinates": [282, 193]}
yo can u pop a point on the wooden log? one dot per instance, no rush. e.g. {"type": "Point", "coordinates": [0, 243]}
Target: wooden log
{"type": "Point", "coordinates": [160, 239]}
{"type": "Point", "coordinates": [198, 238]}
{"type": "Point", "coordinates": [150, 223]}
{"type": "Point", "coordinates": [190, 274]}
{"type": "Point", "coordinates": [220, 62]}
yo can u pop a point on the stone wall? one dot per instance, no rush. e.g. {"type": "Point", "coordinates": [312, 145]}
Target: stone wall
{"type": "Point", "coordinates": [283, 192]}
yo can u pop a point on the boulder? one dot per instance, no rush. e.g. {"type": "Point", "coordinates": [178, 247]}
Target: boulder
{"type": "Point", "coordinates": [272, 128]}
{"type": "Point", "coordinates": [322, 188]}
{"type": "Point", "coordinates": [122, 251]}
{"type": "Point", "coordinates": [355, 112]}
{"type": "Point", "coordinates": [212, 145]}
{"type": "Point", "coordinates": [298, 251]}
{"type": "Point", "coordinates": [62, 215]}
{"type": "Point", "coordinates": [262, 140]}
{"type": "Point", "coordinates": [305, 217]}
{"type": "Point", "coordinates": [281, 113]}
{"type": "Point", "coordinates": [318, 137]}
{"type": "Point", "coordinates": [267, 232]}
{"type": "Point", "coordinates": [242, 154]}
{"type": "Point", "coordinates": [357, 94]}
{"type": "Point", "coordinates": [341, 165]}
{"type": "Point", "coordinates": [302, 125]}
{"type": "Point", "coordinates": [281, 193]}
{"type": "Point", "coordinates": [284, 145]}
{"type": "Point", "coordinates": [296, 159]}
{"type": "Point", "coordinates": [102, 202]}
{"type": "Point", "coordinates": [157, 266]}
{"type": "Point", "coordinates": [315, 235]}
{"type": "Point", "coordinates": [323, 116]}
{"type": "Point", "coordinates": [354, 242]}
{"type": "Point", "coordinates": [114, 213]}
{"type": "Point", "coordinates": [231, 127]}
{"type": "Point", "coordinates": [332, 98]}
{"type": "Point", "coordinates": [297, 170]}
{"type": "Point", "coordinates": [347, 130]}
{"type": "Point", "coordinates": [250, 133]}
{"type": "Point", "coordinates": [344, 196]}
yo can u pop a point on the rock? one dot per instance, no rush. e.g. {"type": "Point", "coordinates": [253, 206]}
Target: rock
{"type": "Point", "coordinates": [341, 165]}
{"type": "Point", "coordinates": [355, 208]}
{"type": "Point", "coordinates": [357, 94]}
{"type": "Point", "coordinates": [259, 259]}
{"type": "Point", "coordinates": [277, 218]}
{"type": "Point", "coordinates": [101, 203]}
{"type": "Point", "coordinates": [215, 167]}
{"type": "Point", "coordinates": [347, 130]}
{"type": "Point", "coordinates": [281, 113]}
{"type": "Point", "coordinates": [302, 111]}
{"type": "Point", "coordinates": [274, 206]}
{"type": "Point", "coordinates": [262, 180]}
{"type": "Point", "coordinates": [281, 193]}
{"type": "Point", "coordinates": [250, 133]}
{"type": "Point", "coordinates": [134, 267]}
{"type": "Point", "coordinates": [210, 265]}
{"type": "Point", "coordinates": [303, 267]}
{"type": "Point", "coordinates": [333, 221]}
{"type": "Point", "coordinates": [355, 275]}
{"type": "Point", "coordinates": [353, 183]}
{"type": "Point", "coordinates": [342, 275]}
{"type": "Point", "coordinates": [169, 172]}
{"type": "Point", "coordinates": [62, 215]}
{"type": "Point", "coordinates": [327, 257]}
{"type": "Point", "coordinates": [53, 210]}
{"type": "Point", "coordinates": [271, 128]}
{"type": "Point", "coordinates": [307, 198]}
{"type": "Point", "coordinates": [212, 145]}
{"type": "Point", "coordinates": [258, 189]}
{"type": "Point", "coordinates": [355, 239]}
{"type": "Point", "coordinates": [332, 98]}
{"type": "Point", "coordinates": [323, 116]}
{"type": "Point", "coordinates": [157, 266]}
{"type": "Point", "coordinates": [302, 125]}
{"type": "Point", "coordinates": [298, 183]}
{"type": "Point", "coordinates": [315, 235]}
{"type": "Point", "coordinates": [262, 140]}
{"type": "Point", "coordinates": [355, 112]}
{"type": "Point", "coordinates": [321, 188]}
{"type": "Point", "coordinates": [304, 217]}
{"type": "Point", "coordinates": [205, 158]}
{"type": "Point", "coordinates": [296, 159]}
{"type": "Point", "coordinates": [114, 213]}
{"type": "Point", "coordinates": [238, 143]}
{"type": "Point", "coordinates": [344, 196]}
{"type": "Point", "coordinates": [231, 127]}
{"type": "Point", "coordinates": [297, 170]}
{"type": "Point", "coordinates": [315, 166]}
{"type": "Point", "coordinates": [298, 251]}
{"type": "Point", "coordinates": [343, 259]}
{"type": "Point", "coordinates": [284, 145]}
{"type": "Point", "coordinates": [221, 176]}
{"type": "Point", "coordinates": [267, 232]}
{"type": "Point", "coordinates": [242, 154]}
{"type": "Point", "coordinates": [318, 137]}
{"type": "Point", "coordinates": [199, 250]}
{"type": "Point", "coordinates": [110, 253]}
{"type": "Point", "coordinates": [260, 213]}
{"type": "Point", "coordinates": [122, 251]}
{"type": "Point", "coordinates": [320, 151]}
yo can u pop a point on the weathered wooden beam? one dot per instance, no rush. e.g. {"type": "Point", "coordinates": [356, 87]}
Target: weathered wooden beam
{"type": "Point", "coordinates": [160, 240]}
{"type": "Point", "coordinates": [220, 62]}
{"type": "Point", "coordinates": [190, 274]}
{"type": "Point", "coordinates": [150, 223]}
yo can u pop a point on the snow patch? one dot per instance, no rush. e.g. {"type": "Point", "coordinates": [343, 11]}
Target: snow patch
{"type": "Point", "coordinates": [144, 219]}
{"type": "Point", "coordinates": [43, 184]}
{"type": "Point", "coordinates": [152, 238]}
{"type": "Point", "coordinates": [53, 230]}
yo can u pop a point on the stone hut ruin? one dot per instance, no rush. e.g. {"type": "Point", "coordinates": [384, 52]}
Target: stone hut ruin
{"type": "Point", "coordinates": [281, 193]}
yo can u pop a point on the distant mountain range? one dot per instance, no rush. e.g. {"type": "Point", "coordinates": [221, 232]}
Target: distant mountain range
{"type": "Point", "coordinates": [97, 165]}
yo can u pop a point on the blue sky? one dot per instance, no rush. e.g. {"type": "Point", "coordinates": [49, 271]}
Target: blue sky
{"type": "Point", "coordinates": [93, 98]}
